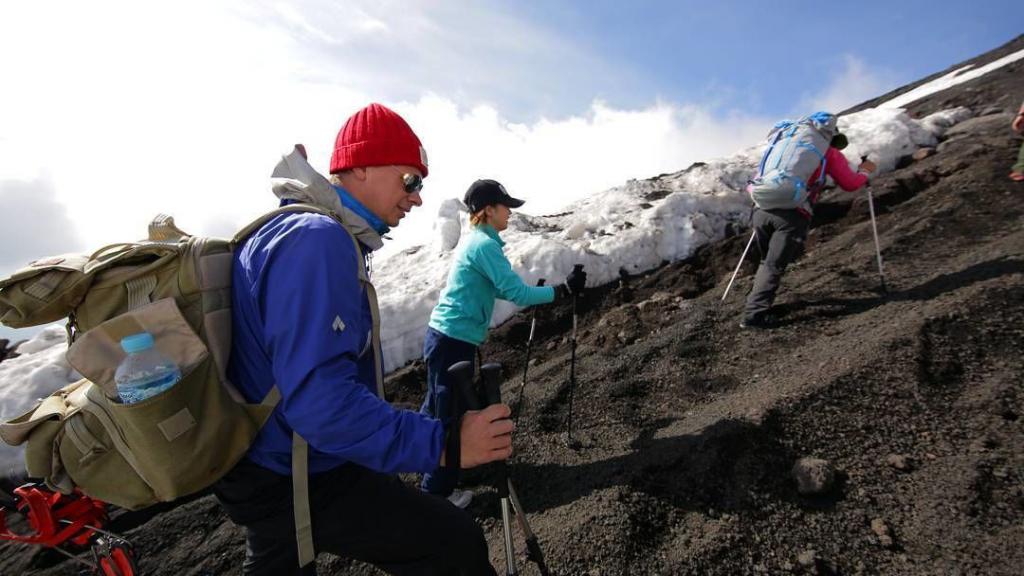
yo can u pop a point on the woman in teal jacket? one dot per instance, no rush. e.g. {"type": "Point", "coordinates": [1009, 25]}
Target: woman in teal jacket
{"type": "Point", "coordinates": [458, 325]}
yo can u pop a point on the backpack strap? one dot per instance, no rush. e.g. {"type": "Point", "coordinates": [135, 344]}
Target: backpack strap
{"type": "Point", "coordinates": [300, 499]}
{"type": "Point", "coordinates": [768, 151]}
{"type": "Point", "coordinates": [300, 448]}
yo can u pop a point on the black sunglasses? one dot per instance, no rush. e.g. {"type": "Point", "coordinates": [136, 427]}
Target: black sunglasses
{"type": "Point", "coordinates": [413, 183]}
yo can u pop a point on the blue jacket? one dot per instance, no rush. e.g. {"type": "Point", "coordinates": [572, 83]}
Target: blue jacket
{"type": "Point", "coordinates": [480, 274]}
{"type": "Point", "coordinates": [302, 320]}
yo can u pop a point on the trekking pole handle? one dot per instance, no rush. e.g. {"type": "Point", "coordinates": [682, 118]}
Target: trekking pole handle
{"type": "Point", "coordinates": [462, 372]}
{"type": "Point", "coordinates": [541, 282]}
{"type": "Point", "coordinates": [490, 374]}
{"type": "Point", "coordinates": [490, 377]}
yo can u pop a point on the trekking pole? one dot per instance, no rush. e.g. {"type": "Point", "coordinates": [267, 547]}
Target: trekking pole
{"type": "Point", "coordinates": [533, 551]}
{"type": "Point", "coordinates": [572, 363]}
{"type": "Point", "coordinates": [490, 375]}
{"type": "Point", "coordinates": [526, 365]}
{"type": "Point", "coordinates": [463, 374]}
{"type": "Point", "coordinates": [874, 231]}
{"type": "Point", "coordinates": [753, 234]}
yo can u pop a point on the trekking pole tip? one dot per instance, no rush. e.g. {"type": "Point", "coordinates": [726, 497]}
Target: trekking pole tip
{"type": "Point", "coordinates": [572, 443]}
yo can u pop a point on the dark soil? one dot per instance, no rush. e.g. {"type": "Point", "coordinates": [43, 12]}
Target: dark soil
{"type": "Point", "coordinates": [688, 426]}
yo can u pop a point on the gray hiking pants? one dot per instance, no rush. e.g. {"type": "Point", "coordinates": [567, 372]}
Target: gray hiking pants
{"type": "Point", "coordinates": [780, 239]}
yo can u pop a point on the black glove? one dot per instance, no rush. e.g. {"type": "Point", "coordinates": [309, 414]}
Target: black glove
{"type": "Point", "coordinates": [577, 279]}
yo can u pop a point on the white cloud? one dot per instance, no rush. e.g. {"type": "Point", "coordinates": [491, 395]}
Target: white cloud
{"type": "Point", "coordinates": [33, 224]}
{"type": "Point", "coordinates": [184, 108]}
{"type": "Point", "coordinates": [852, 84]}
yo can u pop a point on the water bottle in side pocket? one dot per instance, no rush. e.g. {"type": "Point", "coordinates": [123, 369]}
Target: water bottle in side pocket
{"type": "Point", "coordinates": [145, 372]}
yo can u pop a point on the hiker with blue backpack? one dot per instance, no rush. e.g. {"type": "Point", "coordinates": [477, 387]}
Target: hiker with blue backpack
{"type": "Point", "coordinates": [458, 324]}
{"type": "Point", "coordinates": [306, 324]}
{"type": "Point", "coordinates": [790, 178]}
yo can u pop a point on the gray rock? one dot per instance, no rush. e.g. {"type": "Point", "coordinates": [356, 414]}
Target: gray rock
{"type": "Point", "coordinates": [813, 476]}
{"type": "Point", "coordinates": [628, 336]}
{"type": "Point", "coordinates": [7, 350]}
{"type": "Point", "coordinates": [979, 124]}
{"type": "Point", "coordinates": [882, 531]}
{"type": "Point", "coordinates": [922, 154]}
{"type": "Point", "coordinates": [807, 558]}
{"type": "Point", "coordinates": [991, 110]}
{"type": "Point", "coordinates": [899, 461]}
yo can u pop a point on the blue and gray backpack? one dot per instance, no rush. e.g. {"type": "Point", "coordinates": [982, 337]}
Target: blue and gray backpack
{"type": "Point", "coordinates": [795, 150]}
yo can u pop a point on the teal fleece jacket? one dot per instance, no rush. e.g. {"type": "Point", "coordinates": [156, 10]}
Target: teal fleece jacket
{"type": "Point", "coordinates": [480, 274]}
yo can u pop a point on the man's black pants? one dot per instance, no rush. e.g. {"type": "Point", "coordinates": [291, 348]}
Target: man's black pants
{"type": "Point", "coordinates": [780, 236]}
{"type": "Point", "coordinates": [357, 513]}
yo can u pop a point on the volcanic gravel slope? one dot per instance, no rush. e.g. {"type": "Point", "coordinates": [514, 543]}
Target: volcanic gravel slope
{"type": "Point", "coordinates": [689, 426]}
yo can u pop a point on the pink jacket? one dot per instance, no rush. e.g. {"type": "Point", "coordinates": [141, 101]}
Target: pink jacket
{"type": "Point", "coordinates": [838, 168]}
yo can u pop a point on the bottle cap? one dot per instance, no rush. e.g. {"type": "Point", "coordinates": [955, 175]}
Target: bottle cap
{"type": "Point", "coordinates": [137, 342]}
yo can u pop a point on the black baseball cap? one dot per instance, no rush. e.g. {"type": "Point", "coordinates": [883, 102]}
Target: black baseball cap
{"type": "Point", "coordinates": [484, 193]}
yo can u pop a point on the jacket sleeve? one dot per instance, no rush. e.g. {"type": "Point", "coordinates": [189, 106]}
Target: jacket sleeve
{"type": "Point", "coordinates": [838, 167]}
{"type": "Point", "coordinates": [310, 282]}
{"type": "Point", "coordinates": [491, 262]}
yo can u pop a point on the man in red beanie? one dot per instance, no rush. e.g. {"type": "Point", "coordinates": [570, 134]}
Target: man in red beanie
{"type": "Point", "coordinates": [305, 321]}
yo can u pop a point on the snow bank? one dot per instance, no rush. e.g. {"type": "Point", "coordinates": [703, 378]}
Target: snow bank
{"type": "Point", "coordinates": [634, 227]}
{"type": "Point", "coordinates": [885, 135]}
{"type": "Point", "coordinates": [40, 370]}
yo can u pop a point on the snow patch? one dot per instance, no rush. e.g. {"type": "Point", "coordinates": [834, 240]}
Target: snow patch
{"type": "Point", "coordinates": [40, 370]}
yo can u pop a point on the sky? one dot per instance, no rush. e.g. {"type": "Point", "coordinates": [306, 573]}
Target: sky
{"type": "Point", "coordinates": [114, 111]}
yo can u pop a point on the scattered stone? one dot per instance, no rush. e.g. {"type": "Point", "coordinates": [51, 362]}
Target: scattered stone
{"type": "Point", "coordinates": [881, 530]}
{"type": "Point", "coordinates": [991, 110]}
{"type": "Point", "coordinates": [813, 476]}
{"type": "Point", "coordinates": [552, 345]}
{"type": "Point", "coordinates": [899, 462]}
{"type": "Point", "coordinates": [922, 154]}
{"type": "Point", "coordinates": [807, 558]}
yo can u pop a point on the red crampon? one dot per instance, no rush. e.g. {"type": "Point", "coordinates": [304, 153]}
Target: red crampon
{"type": "Point", "coordinates": [75, 519]}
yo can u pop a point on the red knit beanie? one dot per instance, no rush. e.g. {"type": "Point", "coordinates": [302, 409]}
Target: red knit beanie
{"type": "Point", "coordinates": [377, 136]}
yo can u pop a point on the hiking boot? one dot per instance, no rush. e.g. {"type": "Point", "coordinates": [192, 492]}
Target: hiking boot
{"type": "Point", "coordinates": [461, 498]}
{"type": "Point", "coordinates": [764, 321]}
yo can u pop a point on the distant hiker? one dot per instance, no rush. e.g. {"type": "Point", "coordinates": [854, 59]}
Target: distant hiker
{"type": "Point", "coordinates": [458, 324]}
{"type": "Point", "coordinates": [1017, 173]}
{"type": "Point", "coordinates": [791, 177]}
{"type": "Point", "coordinates": [305, 320]}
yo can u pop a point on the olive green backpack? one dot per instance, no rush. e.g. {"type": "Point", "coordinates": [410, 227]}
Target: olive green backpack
{"type": "Point", "coordinates": [177, 287]}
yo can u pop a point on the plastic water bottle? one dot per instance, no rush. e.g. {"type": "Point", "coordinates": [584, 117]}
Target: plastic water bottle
{"type": "Point", "coordinates": [145, 372]}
